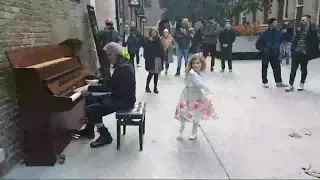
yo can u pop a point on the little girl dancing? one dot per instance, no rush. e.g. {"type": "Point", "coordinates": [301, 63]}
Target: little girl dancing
{"type": "Point", "coordinates": [195, 103]}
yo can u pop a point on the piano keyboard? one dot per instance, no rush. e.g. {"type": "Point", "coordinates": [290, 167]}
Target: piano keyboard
{"type": "Point", "coordinates": [75, 96]}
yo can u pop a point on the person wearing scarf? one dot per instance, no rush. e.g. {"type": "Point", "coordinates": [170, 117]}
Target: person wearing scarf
{"type": "Point", "coordinates": [168, 47]}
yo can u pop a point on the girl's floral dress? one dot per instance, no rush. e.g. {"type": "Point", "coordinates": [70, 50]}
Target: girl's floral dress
{"type": "Point", "coordinates": [195, 103]}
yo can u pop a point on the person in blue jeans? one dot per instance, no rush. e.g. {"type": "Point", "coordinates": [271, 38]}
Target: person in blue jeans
{"type": "Point", "coordinates": [287, 36]}
{"type": "Point", "coordinates": [183, 39]}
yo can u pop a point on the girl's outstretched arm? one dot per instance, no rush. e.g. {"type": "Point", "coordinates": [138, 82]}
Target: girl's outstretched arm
{"type": "Point", "coordinates": [196, 79]}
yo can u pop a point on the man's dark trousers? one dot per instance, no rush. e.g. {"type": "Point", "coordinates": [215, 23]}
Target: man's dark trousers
{"type": "Point", "coordinates": [96, 108]}
{"type": "Point", "coordinates": [276, 67]}
{"type": "Point", "coordinates": [212, 49]}
{"type": "Point", "coordinates": [302, 60]}
{"type": "Point", "coordinates": [135, 54]}
{"type": "Point", "coordinates": [226, 55]}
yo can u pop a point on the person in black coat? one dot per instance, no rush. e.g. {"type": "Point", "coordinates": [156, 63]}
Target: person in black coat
{"type": "Point", "coordinates": [153, 55]}
{"type": "Point", "coordinates": [305, 47]}
{"type": "Point", "coordinates": [133, 44]}
{"type": "Point", "coordinates": [119, 80]}
{"type": "Point", "coordinates": [195, 43]}
{"type": "Point", "coordinates": [226, 39]}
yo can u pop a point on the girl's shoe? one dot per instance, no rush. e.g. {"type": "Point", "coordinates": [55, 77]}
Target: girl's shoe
{"type": "Point", "coordinates": [192, 137]}
{"type": "Point", "coordinates": [179, 137]}
{"type": "Point", "coordinates": [148, 90]}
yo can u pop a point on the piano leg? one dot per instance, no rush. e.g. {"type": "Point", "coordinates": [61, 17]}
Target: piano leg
{"type": "Point", "coordinates": [61, 158]}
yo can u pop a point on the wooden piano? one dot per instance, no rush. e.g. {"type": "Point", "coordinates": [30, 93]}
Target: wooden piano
{"type": "Point", "coordinates": [50, 111]}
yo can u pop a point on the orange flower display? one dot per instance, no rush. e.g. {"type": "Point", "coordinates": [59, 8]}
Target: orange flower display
{"type": "Point", "coordinates": [248, 30]}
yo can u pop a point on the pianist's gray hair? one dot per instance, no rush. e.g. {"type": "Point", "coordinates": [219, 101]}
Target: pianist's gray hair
{"type": "Point", "coordinates": [113, 48]}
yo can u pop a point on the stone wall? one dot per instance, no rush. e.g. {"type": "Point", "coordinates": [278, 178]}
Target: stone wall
{"type": "Point", "coordinates": [34, 22]}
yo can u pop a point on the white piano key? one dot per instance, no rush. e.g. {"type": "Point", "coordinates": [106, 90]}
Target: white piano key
{"type": "Point", "coordinates": [75, 96]}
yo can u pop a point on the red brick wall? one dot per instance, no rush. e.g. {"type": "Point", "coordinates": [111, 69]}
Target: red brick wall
{"type": "Point", "coordinates": [33, 22]}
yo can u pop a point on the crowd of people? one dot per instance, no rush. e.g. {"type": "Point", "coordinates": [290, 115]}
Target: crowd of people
{"type": "Point", "coordinates": [202, 37]}
{"type": "Point", "coordinates": [193, 44]}
{"type": "Point", "coordinates": [301, 47]}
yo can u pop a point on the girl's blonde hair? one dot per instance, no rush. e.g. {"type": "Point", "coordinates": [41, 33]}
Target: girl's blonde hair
{"type": "Point", "coordinates": [153, 29]}
{"type": "Point", "coordinates": [194, 58]}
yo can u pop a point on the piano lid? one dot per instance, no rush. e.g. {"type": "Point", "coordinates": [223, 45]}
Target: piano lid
{"type": "Point", "coordinates": [75, 44]}
{"type": "Point", "coordinates": [33, 55]}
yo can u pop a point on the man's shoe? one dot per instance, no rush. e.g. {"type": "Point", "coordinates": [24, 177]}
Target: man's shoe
{"type": "Point", "coordinates": [148, 89]}
{"type": "Point", "coordinates": [301, 87]}
{"type": "Point", "coordinates": [212, 69]}
{"type": "Point", "coordinates": [265, 85]}
{"type": "Point", "coordinates": [87, 132]}
{"type": "Point", "coordinates": [281, 85]}
{"type": "Point", "coordinates": [156, 91]}
{"type": "Point", "coordinates": [230, 70]}
{"type": "Point", "coordinates": [104, 138]}
{"type": "Point", "coordinates": [289, 88]}
{"type": "Point", "coordinates": [177, 75]}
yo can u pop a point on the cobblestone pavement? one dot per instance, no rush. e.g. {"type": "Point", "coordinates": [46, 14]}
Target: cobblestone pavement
{"type": "Point", "coordinates": [250, 140]}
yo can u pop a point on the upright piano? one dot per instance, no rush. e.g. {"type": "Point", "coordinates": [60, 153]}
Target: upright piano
{"type": "Point", "coordinates": [50, 110]}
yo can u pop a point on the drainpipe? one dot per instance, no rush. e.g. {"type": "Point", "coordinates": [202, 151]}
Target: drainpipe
{"type": "Point", "coordinates": [117, 15]}
{"type": "Point", "coordinates": [318, 13]}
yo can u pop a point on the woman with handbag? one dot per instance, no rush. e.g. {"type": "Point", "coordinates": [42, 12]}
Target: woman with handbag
{"type": "Point", "coordinates": [169, 48]}
{"type": "Point", "coordinates": [153, 55]}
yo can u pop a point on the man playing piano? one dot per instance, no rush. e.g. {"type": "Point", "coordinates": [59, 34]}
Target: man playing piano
{"type": "Point", "coordinates": [119, 80]}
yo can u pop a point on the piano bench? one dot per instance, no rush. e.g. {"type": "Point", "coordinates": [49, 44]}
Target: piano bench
{"type": "Point", "coordinates": [133, 117]}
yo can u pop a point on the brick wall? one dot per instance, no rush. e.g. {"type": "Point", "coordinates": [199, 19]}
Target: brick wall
{"type": "Point", "coordinates": [33, 22]}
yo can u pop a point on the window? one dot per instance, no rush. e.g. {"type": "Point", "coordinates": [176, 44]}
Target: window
{"type": "Point", "coordinates": [299, 15]}
{"type": "Point", "coordinates": [299, 11]}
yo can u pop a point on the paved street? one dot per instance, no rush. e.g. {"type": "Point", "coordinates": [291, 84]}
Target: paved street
{"type": "Point", "coordinates": [250, 140]}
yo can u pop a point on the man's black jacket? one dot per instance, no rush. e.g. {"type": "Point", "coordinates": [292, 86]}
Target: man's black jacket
{"type": "Point", "coordinates": [287, 36]}
{"type": "Point", "coordinates": [312, 43]}
{"type": "Point", "coordinates": [134, 41]}
{"type": "Point", "coordinates": [122, 84]}
{"type": "Point", "coordinates": [227, 36]}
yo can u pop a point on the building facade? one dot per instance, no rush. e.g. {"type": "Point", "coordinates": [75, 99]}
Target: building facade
{"type": "Point", "coordinates": [292, 9]}
{"type": "Point", "coordinates": [36, 22]}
